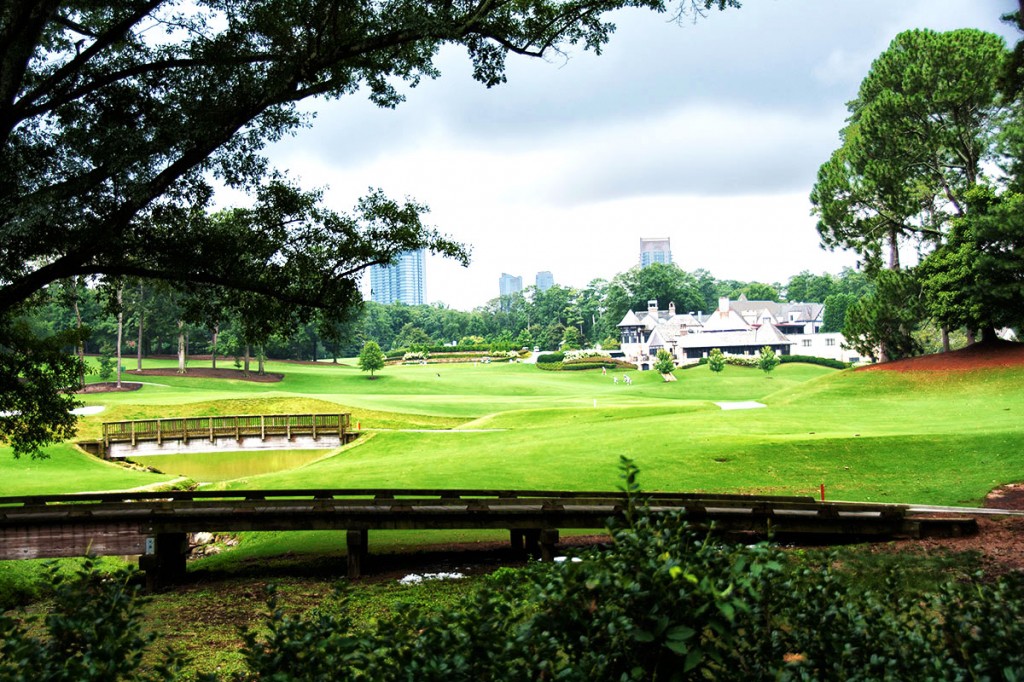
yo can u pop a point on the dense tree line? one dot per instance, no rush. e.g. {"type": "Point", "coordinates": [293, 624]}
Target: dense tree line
{"type": "Point", "coordinates": [156, 321]}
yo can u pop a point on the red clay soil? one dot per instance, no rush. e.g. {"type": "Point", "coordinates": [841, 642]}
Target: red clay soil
{"type": "Point", "coordinates": [208, 373]}
{"type": "Point", "coordinates": [975, 356]}
{"type": "Point", "coordinates": [999, 541]}
{"type": "Point", "coordinates": [109, 387]}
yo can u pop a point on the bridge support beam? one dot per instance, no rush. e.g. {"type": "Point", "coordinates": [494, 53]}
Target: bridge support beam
{"type": "Point", "coordinates": [548, 540]}
{"type": "Point", "coordinates": [357, 542]}
{"type": "Point", "coordinates": [538, 542]}
{"type": "Point", "coordinates": [165, 565]}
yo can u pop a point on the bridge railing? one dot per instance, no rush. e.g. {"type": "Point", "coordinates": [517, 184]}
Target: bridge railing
{"type": "Point", "coordinates": [224, 426]}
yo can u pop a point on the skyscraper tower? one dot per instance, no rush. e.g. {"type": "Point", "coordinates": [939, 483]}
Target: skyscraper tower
{"type": "Point", "coordinates": [509, 284]}
{"type": "Point", "coordinates": [655, 251]}
{"type": "Point", "coordinates": [545, 280]}
{"type": "Point", "coordinates": [403, 282]}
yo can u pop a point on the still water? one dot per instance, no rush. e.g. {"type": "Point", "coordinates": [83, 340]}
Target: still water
{"type": "Point", "coordinates": [222, 466]}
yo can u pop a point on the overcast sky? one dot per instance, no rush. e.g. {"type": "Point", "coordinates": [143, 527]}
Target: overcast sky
{"type": "Point", "coordinates": [710, 134]}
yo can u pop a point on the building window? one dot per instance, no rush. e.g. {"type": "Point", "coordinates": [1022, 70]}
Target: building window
{"type": "Point", "coordinates": [830, 342]}
{"type": "Point", "coordinates": [807, 343]}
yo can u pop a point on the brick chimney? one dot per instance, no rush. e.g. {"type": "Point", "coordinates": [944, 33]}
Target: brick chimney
{"type": "Point", "coordinates": [723, 305]}
{"type": "Point", "coordinates": [671, 309]}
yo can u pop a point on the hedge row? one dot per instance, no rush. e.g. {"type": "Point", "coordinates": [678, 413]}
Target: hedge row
{"type": "Point", "coordinates": [483, 349]}
{"type": "Point", "coordinates": [752, 361]}
{"type": "Point", "coordinates": [812, 360]}
{"type": "Point", "coordinates": [588, 363]}
{"type": "Point", "coordinates": [548, 358]}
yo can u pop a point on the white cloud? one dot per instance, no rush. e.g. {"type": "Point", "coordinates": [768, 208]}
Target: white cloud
{"type": "Point", "coordinates": [711, 133]}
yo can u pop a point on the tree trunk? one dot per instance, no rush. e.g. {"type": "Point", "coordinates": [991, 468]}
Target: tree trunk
{"type": "Point", "coordinates": [945, 339]}
{"type": "Point", "coordinates": [894, 249]}
{"type": "Point", "coordinates": [894, 264]}
{"type": "Point", "coordinates": [181, 346]}
{"type": "Point", "coordinates": [213, 359]}
{"type": "Point", "coordinates": [120, 328]}
{"type": "Point", "coordinates": [971, 339]}
{"type": "Point", "coordinates": [142, 315]}
{"type": "Point", "coordinates": [245, 367]}
{"type": "Point", "coordinates": [81, 342]}
{"type": "Point", "coordinates": [261, 359]}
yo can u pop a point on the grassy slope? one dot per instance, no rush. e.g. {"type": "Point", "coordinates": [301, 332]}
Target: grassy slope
{"type": "Point", "coordinates": [868, 436]}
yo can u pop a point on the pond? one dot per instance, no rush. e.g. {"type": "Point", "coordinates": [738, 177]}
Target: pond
{"type": "Point", "coordinates": [208, 467]}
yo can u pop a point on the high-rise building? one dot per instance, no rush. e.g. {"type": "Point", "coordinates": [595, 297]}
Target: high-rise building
{"type": "Point", "coordinates": [545, 280]}
{"type": "Point", "coordinates": [509, 284]}
{"type": "Point", "coordinates": [403, 282]}
{"type": "Point", "coordinates": [655, 251]}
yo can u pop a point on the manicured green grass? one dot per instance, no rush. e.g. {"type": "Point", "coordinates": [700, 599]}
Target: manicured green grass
{"type": "Point", "coordinates": [866, 435]}
{"type": "Point", "coordinates": [68, 470]}
{"type": "Point", "coordinates": [872, 436]}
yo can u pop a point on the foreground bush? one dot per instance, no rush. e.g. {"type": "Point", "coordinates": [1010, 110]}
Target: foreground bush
{"type": "Point", "coordinates": [93, 632]}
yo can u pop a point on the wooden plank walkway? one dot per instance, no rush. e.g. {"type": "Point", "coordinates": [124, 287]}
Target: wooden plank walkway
{"type": "Point", "coordinates": [211, 429]}
{"type": "Point", "coordinates": [155, 524]}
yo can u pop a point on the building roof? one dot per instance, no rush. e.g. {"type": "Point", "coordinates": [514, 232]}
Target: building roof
{"type": "Point", "coordinates": [725, 321]}
{"type": "Point", "coordinates": [630, 320]}
{"type": "Point", "coordinates": [726, 340]}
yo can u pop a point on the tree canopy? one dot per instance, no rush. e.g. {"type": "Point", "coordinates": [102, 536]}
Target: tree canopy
{"type": "Point", "coordinates": [929, 155]}
{"type": "Point", "coordinates": [118, 121]}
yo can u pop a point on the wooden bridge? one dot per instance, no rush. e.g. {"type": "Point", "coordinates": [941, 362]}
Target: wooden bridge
{"type": "Point", "coordinates": [161, 436]}
{"type": "Point", "coordinates": [155, 525]}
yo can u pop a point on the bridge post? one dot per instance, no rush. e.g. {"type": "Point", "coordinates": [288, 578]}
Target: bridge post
{"type": "Point", "coordinates": [531, 537]}
{"type": "Point", "coordinates": [165, 564]}
{"type": "Point", "coordinates": [357, 542]}
{"type": "Point", "coordinates": [548, 540]}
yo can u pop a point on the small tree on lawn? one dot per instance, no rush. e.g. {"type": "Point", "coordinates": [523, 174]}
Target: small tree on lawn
{"type": "Point", "coordinates": [716, 360]}
{"type": "Point", "coordinates": [768, 360]}
{"type": "Point", "coordinates": [571, 339]}
{"type": "Point", "coordinates": [371, 358]}
{"type": "Point", "coordinates": [664, 364]}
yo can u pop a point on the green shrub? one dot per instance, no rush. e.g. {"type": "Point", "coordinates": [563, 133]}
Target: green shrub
{"type": "Point", "coordinates": [546, 358]}
{"type": "Point", "coordinates": [107, 363]}
{"type": "Point", "coordinates": [812, 360]}
{"type": "Point", "coordinates": [767, 361]}
{"type": "Point", "coordinates": [665, 363]}
{"type": "Point", "coordinates": [93, 632]}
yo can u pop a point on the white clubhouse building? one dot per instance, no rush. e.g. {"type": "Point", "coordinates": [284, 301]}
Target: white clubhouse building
{"type": "Point", "coordinates": [739, 327]}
